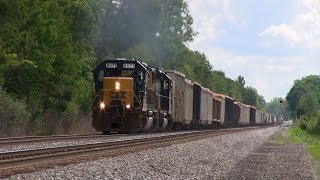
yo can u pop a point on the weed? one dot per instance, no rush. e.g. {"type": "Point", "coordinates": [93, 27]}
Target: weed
{"type": "Point", "coordinates": [298, 136]}
{"type": "Point", "coordinates": [279, 139]}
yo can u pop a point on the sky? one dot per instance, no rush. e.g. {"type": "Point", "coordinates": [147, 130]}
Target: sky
{"type": "Point", "coordinates": [269, 42]}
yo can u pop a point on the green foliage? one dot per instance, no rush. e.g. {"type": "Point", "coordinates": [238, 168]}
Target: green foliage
{"type": "Point", "coordinates": [157, 32]}
{"type": "Point", "coordinates": [304, 97]}
{"type": "Point", "coordinates": [240, 80]}
{"type": "Point", "coordinates": [311, 123]}
{"type": "Point", "coordinates": [48, 49]}
{"type": "Point", "coordinates": [162, 26]}
{"type": "Point", "coordinates": [45, 54]}
{"type": "Point", "coordinates": [274, 108]}
{"type": "Point", "coordinates": [308, 104]}
{"type": "Point", "coordinates": [280, 139]}
{"type": "Point", "coordinates": [303, 100]}
{"type": "Point", "coordinates": [298, 136]}
{"type": "Point", "coordinates": [14, 116]}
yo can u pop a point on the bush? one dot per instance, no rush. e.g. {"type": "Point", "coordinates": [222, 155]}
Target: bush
{"type": "Point", "coordinates": [314, 125]}
{"type": "Point", "coordinates": [14, 117]}
{"type": "Point", "coordinates": [298, 136]}
{"type": "Point", "coordinates": [311, 124]}
{"type": "Point", "coordinates": [303, 125]}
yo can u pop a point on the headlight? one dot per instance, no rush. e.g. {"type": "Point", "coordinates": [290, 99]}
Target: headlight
{"type": "Point", "coordinates": [117, 86]}
{"type": "Point", "coordinates": [128, 106]}
{"type": "Point", "coordinates": [102, 105]}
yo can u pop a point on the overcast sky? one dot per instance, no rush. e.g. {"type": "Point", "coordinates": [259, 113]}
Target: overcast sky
{"type": "Point", "coordinates": [270, 42]}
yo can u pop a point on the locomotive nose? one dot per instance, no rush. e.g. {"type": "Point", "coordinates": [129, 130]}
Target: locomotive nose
{"type": "Point", "coordinates": [118, 91]}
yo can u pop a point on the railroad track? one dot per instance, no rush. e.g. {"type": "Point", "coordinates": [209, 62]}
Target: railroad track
{"type": "Point", "coordinates": [31, 160]}
{"type": "Point", "coordinates": [13, 141]}
{"type": "Point", "coordinates": [35, 139]}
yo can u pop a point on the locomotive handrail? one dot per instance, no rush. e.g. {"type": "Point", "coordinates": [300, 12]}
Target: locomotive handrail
{"type": "Point", "coordinates": [157, 94]}
{"type": "Point", "coordinates": [99, 94]}
{"type": "Point", "coordinates": [138, 99]}
{"type": "Point", "coordinates": [96, 95]}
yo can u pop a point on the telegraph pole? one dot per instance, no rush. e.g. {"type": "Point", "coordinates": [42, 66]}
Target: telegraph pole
{"type": "Point", "coordinates": [281, 106]}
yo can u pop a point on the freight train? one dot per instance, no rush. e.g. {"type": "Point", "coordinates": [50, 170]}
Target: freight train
{"type": "Point", "coordinates": [131, 96]}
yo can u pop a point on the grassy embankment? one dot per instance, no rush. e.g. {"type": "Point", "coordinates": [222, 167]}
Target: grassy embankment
{"type": "Point", "coordinates": [298, 136]}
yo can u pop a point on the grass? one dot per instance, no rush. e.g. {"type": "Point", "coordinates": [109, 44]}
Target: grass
{"type": "Point", "coordinates": [279, 139]}
{"type": "Point", "coordinates": [298, 136]}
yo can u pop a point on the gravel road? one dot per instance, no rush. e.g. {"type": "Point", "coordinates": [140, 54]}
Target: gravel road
{"type": "Point", "coordinates": [212, 158]}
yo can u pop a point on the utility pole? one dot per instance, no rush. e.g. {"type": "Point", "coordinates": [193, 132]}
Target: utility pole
{"type": "Point", "coordinates": [281, 106]}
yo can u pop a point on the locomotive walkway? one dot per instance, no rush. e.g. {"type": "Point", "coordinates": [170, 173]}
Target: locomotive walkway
{"type": "Point", "coordinates": [276, 159]}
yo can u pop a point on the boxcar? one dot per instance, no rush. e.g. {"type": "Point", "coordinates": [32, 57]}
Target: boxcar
{"type": "Point", "coordinates": [216, 109]}
{"type": "Point", "coordinates": [178, 97]}
{"type": "Point", "coordinates": [266, 118]}
{"type": "Point", "coordinates": [227, 109]}
{"type": "Point", "coordinates": [236, 115]}
{"type": "Point", "coordinates": [220, 98]}
{"type": "Point", "coordinates": [188, 104]}
{"type": "Point", "coordinates": [272, 119]}
{"type": "Point", "coordinates": [258, 117]}
{"type": "Point", "coordinates": [252, 115]}
{"type": "Point", "coordinates": [206, 106]}
{"type": "Point", "coordinates": [210, 106]}
{"type": "Point", "coordinates": [229, 113]}
{"type": "Point", "coordinates": [196, 103]}
{"type": "Point", "coordinates": [244, 114]}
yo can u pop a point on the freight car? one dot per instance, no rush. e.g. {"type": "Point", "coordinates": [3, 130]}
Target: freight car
{"type": "Point", "coordinates": [227, 110]}
{"type": "Point", "coordinates": [244, 114]}
{"type": "Point", "coordinates": [131, 96]}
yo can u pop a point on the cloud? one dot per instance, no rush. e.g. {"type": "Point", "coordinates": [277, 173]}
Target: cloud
{"type": "Point", "coordinates": [272, 76]}
{"type": "Point", "coordinates": [302, 31]}
{"type": "Point", "coordinates": [286, 64]}
{"type": "Point", "coordinates": [231, 31]}
{"type": "Point", "coordinates": [210, 15]}
{"type": "Point", "coordinates": [283, 31]}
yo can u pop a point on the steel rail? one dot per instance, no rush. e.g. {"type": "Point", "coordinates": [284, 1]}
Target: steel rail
{"type": "Point", "coordinates": [35, 139]}
{"type": "Point", "coordinates": [19, 161]}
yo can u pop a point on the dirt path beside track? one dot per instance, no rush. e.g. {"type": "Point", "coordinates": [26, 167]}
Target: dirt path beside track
{"type": "Point", "coordinates": [277, 159]}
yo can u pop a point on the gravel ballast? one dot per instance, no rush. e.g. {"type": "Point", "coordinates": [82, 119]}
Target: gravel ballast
{"type": "Point", "coordinates": [276, 159]}
{"type": "Point", "coordinates": [61, 143]}
{"type": "Point", "coordinates": [212, 158]}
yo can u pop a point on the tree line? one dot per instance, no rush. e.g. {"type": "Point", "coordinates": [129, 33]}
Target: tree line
{"type": "Point", "coordinates": [304, 103]}
{"type": "Point", "coordinates": [48, 49]}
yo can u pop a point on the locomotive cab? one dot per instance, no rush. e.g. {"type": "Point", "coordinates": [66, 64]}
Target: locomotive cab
{"type": "Point", "coordinates": [119, 92]}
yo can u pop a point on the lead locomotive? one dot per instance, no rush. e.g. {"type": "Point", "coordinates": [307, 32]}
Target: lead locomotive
{"type": "Point", "coordinates": [130, 96]}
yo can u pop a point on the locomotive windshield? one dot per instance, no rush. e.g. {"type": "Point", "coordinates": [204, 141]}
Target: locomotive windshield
{"type": "Point", "coordinates": [135, 74]}
{"type": "Point", "coordinates": [117, 68]}
{"type": "Point", "coordinates": [115, 73]}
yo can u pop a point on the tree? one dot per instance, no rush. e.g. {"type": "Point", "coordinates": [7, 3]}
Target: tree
{"type": "Point", "coordinates": [240, 80]}
{"type": "Point", "coordinates": [45, 54]}
{"type": "Point", "coordinates": [273, 107]}
{"type": "Point", "coordinates": [48, 49]}
{"type": "Point", "coordinates": [307, 104]}
{"type": "Point", "coordinates": [250, 96]}
{"type": "Point", "coordinates": [163, 26]}
{"type": "Point", "coordinates": [303, 90]}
